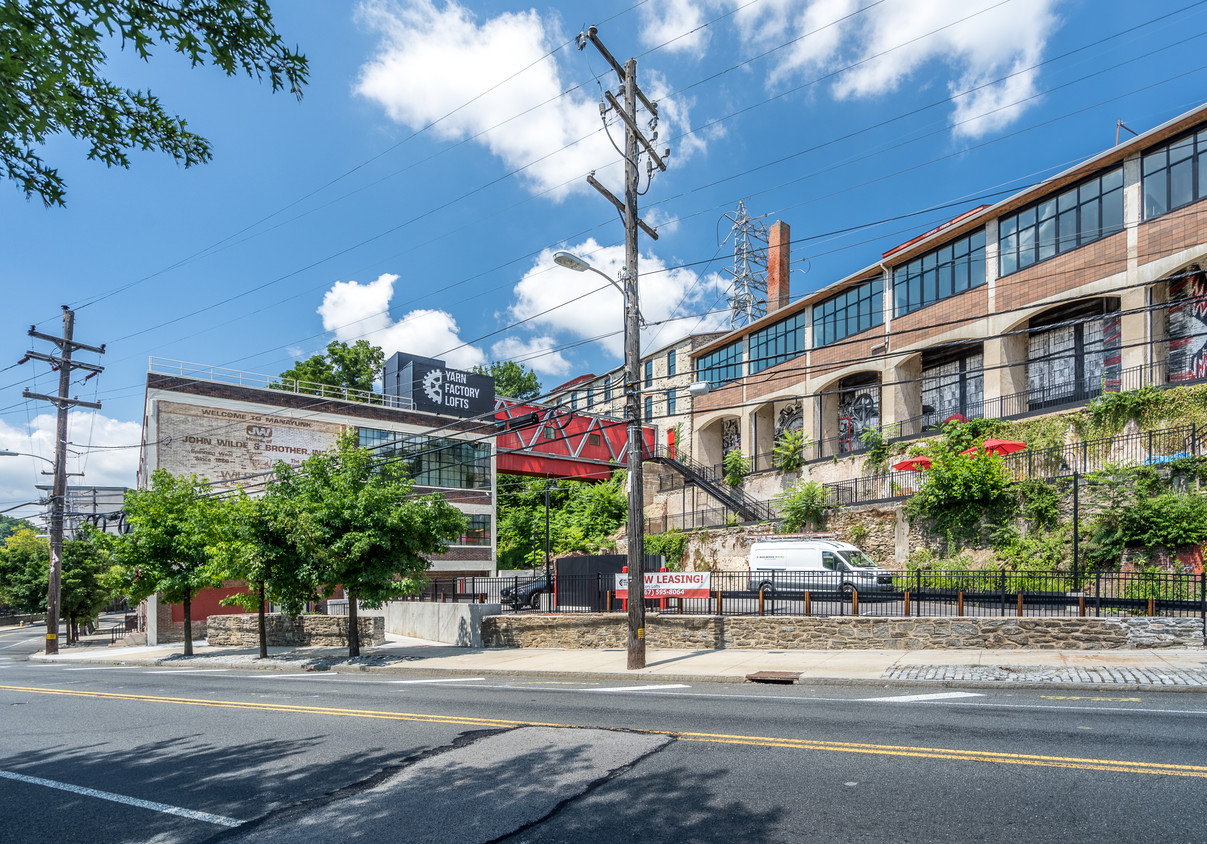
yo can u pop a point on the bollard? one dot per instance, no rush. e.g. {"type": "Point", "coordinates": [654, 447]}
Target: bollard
{"type": "Point", "coordinates": [906, 604]}
{"type": "Point", "coordinates": [608, 598]}
{"type": "Point", "coordinates": [760, 602]}
{"type": "Point", "coordinates": [959, 603]}
{"type": "Point", "coordinates": [854, 602]}
{"type": "Point", "coordinates": [1152, 606]}
{"type": "Point", "coordinates": [1020, 604]}
{"type": "Point", "coordinates": [720, 609]}
{"type": "Point", "coordinates": [481, 597]}
{"type": "Point", "coordinates": [1081, 605]}
{"type": "Point", "coordinates": [808, 602]}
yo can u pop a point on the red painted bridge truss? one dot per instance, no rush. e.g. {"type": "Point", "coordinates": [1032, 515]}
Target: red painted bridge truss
{"type": "Point", "coordinates": [561, 443]}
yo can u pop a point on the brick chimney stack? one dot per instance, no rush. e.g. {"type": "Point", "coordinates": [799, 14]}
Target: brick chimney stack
{"type": "Point", "coordinates": [778, 249]}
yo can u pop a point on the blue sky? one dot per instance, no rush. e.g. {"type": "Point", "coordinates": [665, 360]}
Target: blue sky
{"type": "Point", "coordinates": [415, 195]}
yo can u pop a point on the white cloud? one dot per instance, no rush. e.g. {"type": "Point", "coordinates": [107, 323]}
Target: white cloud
{"type": "Point", "coordinates": [537, 353]}
{"type": "Point", "coordinates": [673, 21]}
{"type": "Point", "coordinates": [101, 467]}
{"type": "Point", "coordinates": [583, 306]}
{"type": "Point", "coordinates": [355, 311]}
{"type": "Point", "coordinates": [431, 60]}
{"type": "Point", "coordinates": [891, 44]}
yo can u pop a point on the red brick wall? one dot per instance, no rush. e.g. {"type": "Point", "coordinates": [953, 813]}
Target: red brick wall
{"type": "Point", "coordinates": [1172, 232]}
{"type": "Point", "coordinates": [1062, 273]}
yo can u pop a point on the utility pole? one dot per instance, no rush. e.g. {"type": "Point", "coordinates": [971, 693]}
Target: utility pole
{"type": "Point", "coordinates": [58, 496]}
{"type": "Point", "coordinates": [632, 317]}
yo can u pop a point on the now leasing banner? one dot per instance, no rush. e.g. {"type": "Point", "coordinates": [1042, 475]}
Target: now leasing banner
{"type": "Point", "coordinates": [670, 584]}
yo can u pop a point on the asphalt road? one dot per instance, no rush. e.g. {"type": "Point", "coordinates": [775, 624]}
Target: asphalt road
{"type": "Point", "coordinates": [136, 753]}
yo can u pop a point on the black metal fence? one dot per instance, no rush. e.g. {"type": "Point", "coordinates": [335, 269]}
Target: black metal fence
{"type": "Point", "coordinates": [881, 593]}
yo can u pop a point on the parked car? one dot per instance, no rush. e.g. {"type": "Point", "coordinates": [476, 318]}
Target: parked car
{"type": "Point", "coordinates": [814, 564]}
{"type": "Point", "coordinates": [527, 594]}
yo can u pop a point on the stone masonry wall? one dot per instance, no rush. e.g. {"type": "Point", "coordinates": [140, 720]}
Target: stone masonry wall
{"type": "Point", "coordinates": [284, 630]}
{"type": "Point", "coordinates": [802, 633]}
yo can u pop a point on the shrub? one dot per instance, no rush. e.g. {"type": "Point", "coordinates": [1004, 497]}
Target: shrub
{"type": "Point", "coordinates": [789, 450]}
{"type": "Point", "coordinates": [737, 467]}
{"type": "Point", "coordinates": [802, 506]}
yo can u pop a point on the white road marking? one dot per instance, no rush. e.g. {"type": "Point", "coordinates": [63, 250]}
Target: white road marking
{"type": "Point", "coordinates": [313, 675]}
{"type": "Point", "coordinates": [189, 671]}
{"type": "Point", "coordinates": [920, 698]}
{"type": "Point", "coordinates": [445, 680]}
{"type": "Point", "coordinates": [99, 668]}
{"type": "Point", "coordinates": [119, 798]}
{"type": "Point", "coordinates": [639, 688]}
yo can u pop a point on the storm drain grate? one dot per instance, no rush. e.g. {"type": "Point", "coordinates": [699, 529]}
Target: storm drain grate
{"type": "Point", "coordinates": [783, 677]}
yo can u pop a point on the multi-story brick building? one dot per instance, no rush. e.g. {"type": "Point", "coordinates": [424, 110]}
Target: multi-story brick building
{"type": "Point", "coordinates": [232, 427]}
{"type": "Point", "coordinates": [1088, 282]}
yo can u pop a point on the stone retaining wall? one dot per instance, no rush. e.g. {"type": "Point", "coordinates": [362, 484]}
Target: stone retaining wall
{"type": "Point", "coordinates": [283, 630]}
{"type": "Point", "coordinates": [802, 633]}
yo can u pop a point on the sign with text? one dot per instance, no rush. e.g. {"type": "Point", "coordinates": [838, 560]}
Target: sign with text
{"type": "Point", "coordinates": [670, 584]}
{"type": "Point", "coordinates": [438, 389]}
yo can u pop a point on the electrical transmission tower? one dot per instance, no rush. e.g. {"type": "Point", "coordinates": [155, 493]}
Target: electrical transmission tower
{"type": "Point", "coordinates": [748, 301]}
{"type": "Point", "coordinates": [636, 144]}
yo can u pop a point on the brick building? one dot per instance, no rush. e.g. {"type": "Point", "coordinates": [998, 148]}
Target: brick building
{"type": "Point", "coordinates": [232, 427]}
{"type": "Point", "coordinates": [1088, 282]}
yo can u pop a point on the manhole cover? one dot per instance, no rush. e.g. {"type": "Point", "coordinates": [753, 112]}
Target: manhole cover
{"type": "Point", "coordinates": [785, 677]}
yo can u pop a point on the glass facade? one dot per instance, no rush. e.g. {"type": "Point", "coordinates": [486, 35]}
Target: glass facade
{"type": "Point", "coordinates": [952, 268]}
{"type": "Point", "coordinates": [1085, 213]}
{"type": "Point", "coordinates": [1173, 174]}
{"type": "Point", "coordinates": [777, 343]}
{"type": "Point", "coordinates": [477, 532]}
{"type": "Point", "coordinates": [955, 386]}
{"type": "Point", "coordinates": [1073, 361]}
{"type": "Point", "coordinates": [433, 461]}
{"type": "Point", "coordinates": [721, 366]}
{"type": "Point", "coordinates": [849, 312]}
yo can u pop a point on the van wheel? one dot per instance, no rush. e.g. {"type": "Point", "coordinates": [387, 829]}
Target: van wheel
{"type": "Point", "coordinates": [768, 587]}
{"type": "Point", "coordinates": [847, 590]}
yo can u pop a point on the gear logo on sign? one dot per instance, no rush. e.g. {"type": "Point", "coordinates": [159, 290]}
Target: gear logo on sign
{"type": "Point", "coordinates": [433, 385]}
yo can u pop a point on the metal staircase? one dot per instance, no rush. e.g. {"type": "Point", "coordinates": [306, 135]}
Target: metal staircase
{"type": "Point", "coordinates": [709, 479]}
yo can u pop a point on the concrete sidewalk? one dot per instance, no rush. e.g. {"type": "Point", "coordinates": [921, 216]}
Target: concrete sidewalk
{"type": "Point", "coordinates": [1171, 668]}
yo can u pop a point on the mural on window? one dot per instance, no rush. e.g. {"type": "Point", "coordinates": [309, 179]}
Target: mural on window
{"type": "Point", "coordinates": [1188, 325]}
{"type": "Point", "coordinates": [731, 436]}
{"type": "Point", "coordinates": [1074, 360]}
{"type": "Point", "coordinates": [790, 418]}
{"type": "Point", "coordinates": [955, 387]}
{"type": "Point", "coordinates": [858, 411]}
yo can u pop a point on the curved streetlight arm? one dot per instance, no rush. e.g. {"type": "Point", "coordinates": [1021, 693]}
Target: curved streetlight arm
{"type": "Point", "coordinates": [573, 262]}
{"type": "Point", "coordinates": [7, 453]}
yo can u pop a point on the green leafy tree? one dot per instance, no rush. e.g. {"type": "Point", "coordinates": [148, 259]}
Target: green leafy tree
{"type": "Point", "coordinates": [85, 586]}
{"type": "Point", "coordinates": [172, 546]}
{"type": "Point", "coordinates": [583, 517]}
{"type": "Point", "coordinates": [355, 523]}
{"type": "Point", "coordinates": [802, 506]}
{"type": "Point", "coordinates": [256, 547]}
{"type": "Point", "coordinates": [24, 571]}
{"type": "Point", "coordinates": [52, 53]}
{"type": "Point", "coordinates": [789, 453]}
{"type": "Point", "coordinates": [9, 526]}
{"type": "Point", "coordinates": [354, 366]}
{"type": "Point", "coordinates": [513, 380]}
{"type": "Point", "coordinates": [736, 466]}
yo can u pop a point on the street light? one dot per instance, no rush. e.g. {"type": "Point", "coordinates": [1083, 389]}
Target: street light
{"type": "Point", "coordinates": [636, 442]}
{"type": "Point", "coordinates": [7, 453]}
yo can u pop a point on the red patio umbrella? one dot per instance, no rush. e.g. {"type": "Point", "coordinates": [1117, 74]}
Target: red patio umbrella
{"type": "Point", "coordinates": [999, 447]}
{"type": "Point", "coordinates": [913, 464]}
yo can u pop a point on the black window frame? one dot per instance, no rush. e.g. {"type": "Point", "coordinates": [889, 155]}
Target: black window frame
{"type": "Point", "coordinates": [781, 341]}
{"type": "Point", "coordinates": [857, 309]}
{"type": "Point", "coordinates": [945, 271]}
{"type": "Point", "coordinates": [1191, 149]}
{"type": "Point", "coordinates": [722, 365]}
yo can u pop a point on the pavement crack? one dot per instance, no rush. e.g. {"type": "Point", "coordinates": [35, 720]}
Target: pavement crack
{"type": "Point", "coordinates": [591, 787]}
{"type": "Point", "coordinates": [312, 804]}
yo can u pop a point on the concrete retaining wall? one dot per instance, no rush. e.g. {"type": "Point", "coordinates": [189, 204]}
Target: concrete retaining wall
{"type": "Point", "coordinates": [454, 624]}
{"type": "Point", "coordinates": [284, 630]}
{"type": "Point", "coordinates": [801, 633]}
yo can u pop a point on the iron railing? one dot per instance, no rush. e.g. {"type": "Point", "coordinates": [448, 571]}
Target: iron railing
{"type": "Point", "coordinates": [891, 594]}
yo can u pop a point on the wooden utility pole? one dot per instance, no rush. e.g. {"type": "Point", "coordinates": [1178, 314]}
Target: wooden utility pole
{"type": "Point", "coordinates": [632, 324]}
{"type": "Point", "coordinates": [58, 495]}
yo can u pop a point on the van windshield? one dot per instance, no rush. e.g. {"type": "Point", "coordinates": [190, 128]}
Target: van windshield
{"type": "Point", "coordinates": [858, 559]}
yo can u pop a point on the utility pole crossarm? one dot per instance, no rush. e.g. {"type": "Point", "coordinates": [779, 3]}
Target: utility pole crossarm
{"type": "Point", "coordinates": [60, 401]}
{"type": "Point", "coordinates": [63, 342]}
{"type": "Point", "coordinates": [75, 364]}
{"type": "Point", "coordinates": [636, 130]}
{"type": "Point", "coordinates": [607, 194]}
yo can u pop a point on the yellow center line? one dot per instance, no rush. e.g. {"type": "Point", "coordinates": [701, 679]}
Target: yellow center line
{"type": "Point", "coordinates": [954, 754]}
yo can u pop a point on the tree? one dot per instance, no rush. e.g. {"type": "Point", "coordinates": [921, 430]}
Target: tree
{"type": "Point", "coordinates": [172, 546]}
{"type": "Point", "coordinates": [52, 53]}
{"type": "Point", "coordinates": [9, 526]}
{"type": "Point", "coordinates": [513, 380]}
{"type": "Point", "coordinates": [354, 366]}
{"type": "Point", "coordinates": [802, 506]}
{"type": "Point", "coordinates": [355, 523]}
{"type": "Point", "coordinates": [84, 586]}
{"type": "Point", "coordinates": [256, 548]}
{"type": "Point", "coordinates": [24, 570]}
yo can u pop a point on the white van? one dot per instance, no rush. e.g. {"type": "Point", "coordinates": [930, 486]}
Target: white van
{"type": "Point", "coordinates": [822, 565]}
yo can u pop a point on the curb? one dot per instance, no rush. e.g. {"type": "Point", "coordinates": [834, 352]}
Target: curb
{"type": "Point", "coordinates": [879, 682]}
